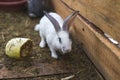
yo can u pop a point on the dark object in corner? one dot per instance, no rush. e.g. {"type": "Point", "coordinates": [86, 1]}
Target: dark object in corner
{"type": "Point", "coordinates": [36, 7]}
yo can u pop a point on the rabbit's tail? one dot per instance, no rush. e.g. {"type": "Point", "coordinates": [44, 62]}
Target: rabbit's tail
{"type": "Point", "coordinates": [37, 27]}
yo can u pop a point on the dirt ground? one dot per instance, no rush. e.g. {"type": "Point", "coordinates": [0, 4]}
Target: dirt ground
{"type": "Point", "coordinates": [18, 24]}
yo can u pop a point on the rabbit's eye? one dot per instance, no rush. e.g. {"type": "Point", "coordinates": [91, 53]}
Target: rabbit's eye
{"type": "Point", "coordinates": [60, 40]}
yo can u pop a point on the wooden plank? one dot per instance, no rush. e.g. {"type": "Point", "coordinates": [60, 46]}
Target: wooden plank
{"type": "Point", "coordinates": [103, 13]}
{"type": "Point", "coordinates": [104, 54]}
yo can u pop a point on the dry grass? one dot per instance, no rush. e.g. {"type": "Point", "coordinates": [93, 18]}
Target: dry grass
{"type": "Point", "coordinates": [18, 24]}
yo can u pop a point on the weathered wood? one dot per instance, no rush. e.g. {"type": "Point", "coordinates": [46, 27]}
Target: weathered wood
{"type": "Point", "coordinates": [103, 13]}
{"type": "Point", "coordinates": [104, 54]}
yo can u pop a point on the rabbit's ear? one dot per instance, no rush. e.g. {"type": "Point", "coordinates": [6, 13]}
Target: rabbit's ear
{"type": "Point", "coordinates": [68, 20]}
{"type": "Point", "coordinates": [54, 21]}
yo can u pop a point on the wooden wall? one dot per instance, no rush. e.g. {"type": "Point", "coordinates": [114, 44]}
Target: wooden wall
{"type": "Point", "coordinates": [105, 15]}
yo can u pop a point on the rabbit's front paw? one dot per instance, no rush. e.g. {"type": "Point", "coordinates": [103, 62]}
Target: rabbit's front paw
{"type": "Point", "coordinates": [54, 55]}
{"type": "Point", "coordinates": [32, 15]}
{"type": "Point", "coordinates": [42, 44]}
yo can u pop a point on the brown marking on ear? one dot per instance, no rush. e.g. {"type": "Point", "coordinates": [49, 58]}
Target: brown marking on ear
{"type": "Point", "coordinates": [68, 20]}
{"type": "Point", "coordinates": [54, 21]}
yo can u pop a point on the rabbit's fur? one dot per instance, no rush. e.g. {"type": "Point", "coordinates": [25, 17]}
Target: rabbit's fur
{"type": "Point", "coordinates": [57, 38]}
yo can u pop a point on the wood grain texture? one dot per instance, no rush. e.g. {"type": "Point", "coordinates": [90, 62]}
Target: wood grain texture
{"type": "Point", "coordinates": [104, 54]}
{"type": "Point", "coordinates": [105, 14]}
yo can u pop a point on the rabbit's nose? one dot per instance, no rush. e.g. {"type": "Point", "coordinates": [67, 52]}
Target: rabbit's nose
{"type": "Point", "coordinates": [66, 50]}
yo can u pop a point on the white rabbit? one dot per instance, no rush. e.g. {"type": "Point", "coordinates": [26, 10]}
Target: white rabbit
{"type": "Point", "coordinates": [53, 30]}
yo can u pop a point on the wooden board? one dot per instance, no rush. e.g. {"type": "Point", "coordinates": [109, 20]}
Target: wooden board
{"type": "Point", "coordinates": [105, 14]}
{"type": "Point", "coordinates": [104, 54]}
